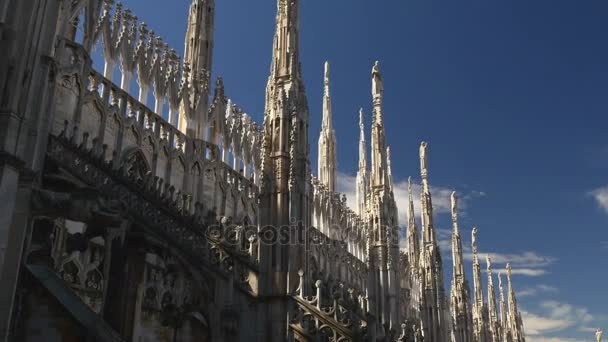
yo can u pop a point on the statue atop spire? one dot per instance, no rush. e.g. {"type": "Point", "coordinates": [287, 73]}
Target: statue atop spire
{"type": "Point", "coordinates": [474, 242]}
{"type": "Point", "coordinates": [379, 173]}
{"type": "Point", "coordinates": [424, 160]}
{"type": "Point", "coordinates": [377, 84]}
{"type": "Point", "coordinates": [327, 120]}
{"type": "Point", "coordinates": [326, 78]}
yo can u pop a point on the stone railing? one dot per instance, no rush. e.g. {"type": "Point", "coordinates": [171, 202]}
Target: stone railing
{"type": "Point", "coordinates": [101, 117]}
{"type": "Point", "coordinates": [146, 157]}
{"type": "Point", "coordinates": [145, 58]}
{"type": "Point", "coordinates": [334, 314]}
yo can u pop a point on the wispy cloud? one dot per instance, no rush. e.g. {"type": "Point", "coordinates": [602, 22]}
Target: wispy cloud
{"type": "Point", "coordinates": [601, 197]}
{"type": "Point", "coordinates": [556, 317]}
{"type": "Point", "coordinates": [537, 290]}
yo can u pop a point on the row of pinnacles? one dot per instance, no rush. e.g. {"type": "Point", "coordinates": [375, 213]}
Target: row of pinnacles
{"type": "Point", "coordinates": [480, 320]}
{"type": "Point", "coordinates": [197, 164]}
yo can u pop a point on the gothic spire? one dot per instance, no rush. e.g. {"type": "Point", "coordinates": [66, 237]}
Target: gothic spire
{"type": "Point", "coordinates": [377, 93]}
{"type": "Point", "coordinates": [198, 55]}
{"type": "Point", "coordinates": [478, 293]}
{"type": "Point", "coordinates": [327, 141]}
{"type": "Point", "coordinates": [327, 121]}
{"type": "Point", "coordinates": [199, 37]}
{"type": "Point", "coordinates": [285, 170]}
{"type": "Point", "coordinates": [461, 307]}
{"type": "Point", "coordinates": [378, 148]}
{"type": "Point", "coordinates": [503, 309]}
{"type": "Point", "coordinates": [412, 229]}
{"type": "Point", "coordinates": [480, 331]}
{"type": "Point", "coordinates": [457, 258]}
{"type": "Point", "coordinates": [511, 293]}
{"type": "Point", "coordinates": [286, 56]}
{"type": "Point", "coordinates": [493, 315]}
{"type": "Point", "coordinates": [515, 324]}
{"type": "Point", "coordinates": [362, 179]}
{"type": "Point", "coordinates": [428, 231]}
{"type": "Point", "coordinates": [362, 144]}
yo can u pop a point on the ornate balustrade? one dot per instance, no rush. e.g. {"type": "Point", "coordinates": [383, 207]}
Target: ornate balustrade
{"type": "Point", "coordinates": [175, 184]}
{"type": "Point", "coordinates": [332, 314]}
{"type": "Point", "coordinates": [155, 66]}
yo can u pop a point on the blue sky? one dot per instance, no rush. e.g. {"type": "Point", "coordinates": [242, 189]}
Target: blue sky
{"type": "Point", "coordinates": [510, 94]}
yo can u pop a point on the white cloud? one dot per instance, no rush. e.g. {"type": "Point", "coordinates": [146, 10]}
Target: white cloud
{"type": "Point", "coordinates": [551, 339]}
{"type": "Point", "coordinates": [537, 324]}
{"type": "Point", "coordinates": [537, 290]}
{"type": "Point", "coordinates": [601, 197]}
{"type": "Point", "coordinates": [530, 272]}
{"type": "Point", "coordinates": [347, 185]}
{"type": "Point", "coordinates": [556, 317]}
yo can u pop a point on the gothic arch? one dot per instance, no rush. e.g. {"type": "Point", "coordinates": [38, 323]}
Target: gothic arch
{"type": "Point", "coordinates": [135, 164]}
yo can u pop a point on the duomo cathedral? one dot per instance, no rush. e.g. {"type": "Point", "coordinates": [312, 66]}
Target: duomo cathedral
{"type": "Point", "coordinates": [140, 203]}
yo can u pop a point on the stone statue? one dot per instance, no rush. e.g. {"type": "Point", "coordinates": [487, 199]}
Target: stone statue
{"type": "Point", "coordinates": [377, 85]}
{"type": "Point", "coordinates": [598, 335]}
{"type": "Point", "coordinates": [423, 157]}
{"type": "Point", "coordinates": [474, 240]}
{"type": "Point", "coordinates": [454, 202]}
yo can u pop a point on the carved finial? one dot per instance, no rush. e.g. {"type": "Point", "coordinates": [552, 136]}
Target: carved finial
{"type": "Point", "coordinates": [409, 190]}
{"type": "Point", "coordinates": [474, 241]}
{"type": "Point", "coordinates": [489, 263]}
{"type": "Point", "coordinates": [326, 75]}
{"type": "Point", "coordinates": [454, 202]}
{"type": "Point", "coordinates": [377, 84]}
{"type": "Point", "coordinates": [508, 272]}
{"type": "Point", "coordinates": [423, 160]}
{"type": "Point", "coordinates": [361, 119]}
